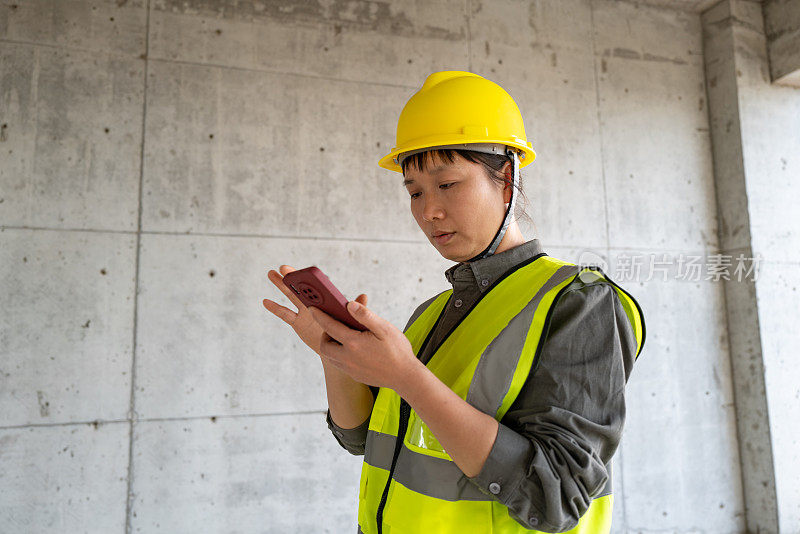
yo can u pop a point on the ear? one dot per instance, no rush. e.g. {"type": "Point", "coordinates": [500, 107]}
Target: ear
{"type": "Point", "coordinates": [507, 187]}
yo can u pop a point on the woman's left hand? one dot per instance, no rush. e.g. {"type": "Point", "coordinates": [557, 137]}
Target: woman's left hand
{"type": "Point", "coordinates": [381, 356]}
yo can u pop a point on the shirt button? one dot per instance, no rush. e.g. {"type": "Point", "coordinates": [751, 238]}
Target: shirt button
{"type": "Point", "coordinates": [485, 282]}
{"type": "Point", "coordinates": [458, 303]}
{"type": "Point", "coordinates": [494, 487]}
{"type": "Point", "coordinates": [533, 521]}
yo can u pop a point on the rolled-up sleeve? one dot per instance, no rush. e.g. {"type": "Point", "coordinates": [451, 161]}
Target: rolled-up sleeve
{"type": "Point", "coordinates": [549, 458]}
{"type": "Point", "coordinates": [353, 440]}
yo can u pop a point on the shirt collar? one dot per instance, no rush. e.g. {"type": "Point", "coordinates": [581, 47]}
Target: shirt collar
{"type": "Point", "coordinates": [492, 267]}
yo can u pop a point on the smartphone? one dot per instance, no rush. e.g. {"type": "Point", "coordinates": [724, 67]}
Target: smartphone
{"type": "Point", "coordinates": [313, 288]}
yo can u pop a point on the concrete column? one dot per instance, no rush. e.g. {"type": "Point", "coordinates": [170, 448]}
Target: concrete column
{"type": "Point", "coordinates": [782, 25]}
{"type": "Point", "coordinates": [755, 128]}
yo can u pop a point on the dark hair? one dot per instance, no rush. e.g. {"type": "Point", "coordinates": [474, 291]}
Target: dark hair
{"type": "Point", "coordinates": [492, 164]}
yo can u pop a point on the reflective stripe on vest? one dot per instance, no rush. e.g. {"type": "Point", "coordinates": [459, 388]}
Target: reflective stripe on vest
{"type": "Point", "coordinates": [485, 359]}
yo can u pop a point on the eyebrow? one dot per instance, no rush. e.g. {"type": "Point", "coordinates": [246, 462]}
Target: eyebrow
{"type": "Point", "coordinates": [435, 170]}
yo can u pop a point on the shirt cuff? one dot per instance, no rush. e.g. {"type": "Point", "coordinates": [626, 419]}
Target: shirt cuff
{"type": "Point", "coordinates": [503, 472]}
{"type": "Point", "coordinates": [506, 465]}
{"type": "Point", "coordinates": [352, 439]}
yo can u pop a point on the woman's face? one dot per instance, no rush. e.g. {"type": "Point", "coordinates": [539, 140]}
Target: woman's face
{"type": "Point", "coordinates": [459, 199]}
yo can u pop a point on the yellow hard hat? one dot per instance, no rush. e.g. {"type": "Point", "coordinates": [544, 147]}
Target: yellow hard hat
{"type": "Point", "coordinates": [453, 109]}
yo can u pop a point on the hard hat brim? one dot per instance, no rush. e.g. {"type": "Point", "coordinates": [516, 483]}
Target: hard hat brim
{"type": "Point", "coordinates": [389, 161]}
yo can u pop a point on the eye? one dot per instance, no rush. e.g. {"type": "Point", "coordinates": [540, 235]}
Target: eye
{"type": "Point", "coordinates": [442, 186]}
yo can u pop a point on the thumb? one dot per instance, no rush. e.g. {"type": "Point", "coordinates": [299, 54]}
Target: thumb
{"type": "Point", "coordinates": [367, 317]}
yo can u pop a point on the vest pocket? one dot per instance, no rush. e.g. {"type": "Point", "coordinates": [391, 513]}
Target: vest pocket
{"type": "Point", "coordinates": [373, 480]}
{"type": "Point", "coordinates": [421, 440]}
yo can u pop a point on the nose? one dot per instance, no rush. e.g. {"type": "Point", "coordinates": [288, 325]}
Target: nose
{"type": "Point", "coordinates": [432, 209]}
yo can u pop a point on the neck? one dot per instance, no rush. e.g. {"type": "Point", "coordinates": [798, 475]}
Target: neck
{"type": "Point", "coordinates": [512, 238]}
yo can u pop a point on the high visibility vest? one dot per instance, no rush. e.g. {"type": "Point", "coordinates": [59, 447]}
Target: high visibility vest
{"type": "Point", "coordinates": [411, 483]}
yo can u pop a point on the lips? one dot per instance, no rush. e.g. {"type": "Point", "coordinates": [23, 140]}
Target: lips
{"type": "Point", "coordinates": [443, 238]}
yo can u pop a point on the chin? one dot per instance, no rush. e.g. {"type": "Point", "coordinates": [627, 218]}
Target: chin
{"type": "Point", "coordinates": [447, 254]}
{"type": "Point", "coordinates": [453, 256]}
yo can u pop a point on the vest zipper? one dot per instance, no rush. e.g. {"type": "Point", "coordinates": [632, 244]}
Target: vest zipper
{"type": "Point", "coordinates": [405, 412]}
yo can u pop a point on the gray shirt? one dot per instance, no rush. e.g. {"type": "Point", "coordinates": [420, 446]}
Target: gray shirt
{"type": "Point", "coordinates": [553, 450]}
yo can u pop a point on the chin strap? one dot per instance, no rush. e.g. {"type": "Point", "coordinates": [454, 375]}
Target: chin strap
{"type": "Point", "coordinates": [488, 251]}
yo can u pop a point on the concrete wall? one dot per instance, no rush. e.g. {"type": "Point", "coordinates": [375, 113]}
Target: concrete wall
{"type": "Point", "coordinates": [156, 158]}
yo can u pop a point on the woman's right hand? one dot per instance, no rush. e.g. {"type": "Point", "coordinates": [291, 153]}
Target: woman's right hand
{"type": "Point", "coordinates": [301, 321]}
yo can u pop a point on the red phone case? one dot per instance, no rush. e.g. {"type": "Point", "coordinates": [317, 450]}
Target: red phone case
{"type": "Point", "coordinates": [315, 289]}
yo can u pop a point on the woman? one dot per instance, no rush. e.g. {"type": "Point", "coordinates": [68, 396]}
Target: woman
{"type": "Point", "coordinates": [500, 405]}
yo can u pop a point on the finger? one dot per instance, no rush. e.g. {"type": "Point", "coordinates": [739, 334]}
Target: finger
{"type": "Point", "coordinates": [334, 328]}
{"type": "Point", "coordinates": [282, 312]}
{"type": "Point", "coordinates": [277, 279]}
{"type": "Point", "coordinates": [362, 298]}
{"type": "Point", "coordinates": [377, 325]}
{"type": "Point", "coordinates": [286, 269]}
